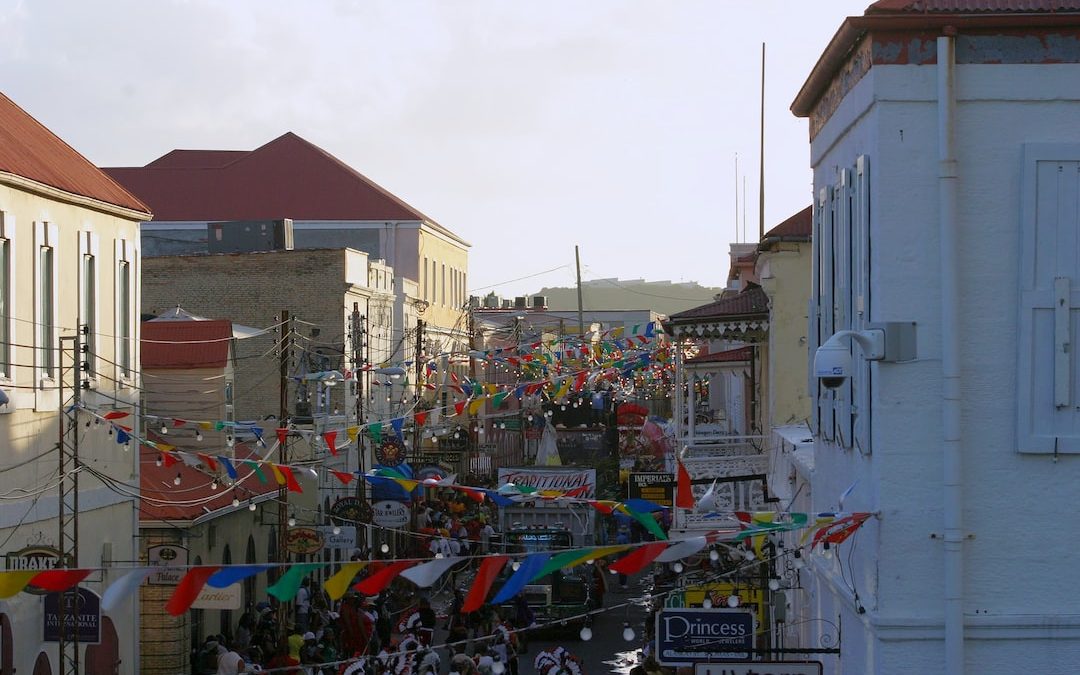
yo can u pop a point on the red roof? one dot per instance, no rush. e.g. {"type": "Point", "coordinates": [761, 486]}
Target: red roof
{"type": "Point", "coordinates": [972, 6]}
{"type": "Point", "coordinates": [751, 301]}
{"type": "Point", "coordinates": [739, 354]}
{"type": "Point", "coordinates": [186, 344]}
{"type": "Point", "coordinates": [286, 178]}
{"type": "Point", "coordinates": [156, 483]}
{"type": "Point", "coordinates": [798, 227]}
{"type": "Point", "coordinates": [29, 150]}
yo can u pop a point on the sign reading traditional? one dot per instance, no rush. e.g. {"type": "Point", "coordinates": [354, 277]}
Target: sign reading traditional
{"type": "Point", "coordinates": [688, 636]}
{"type": "Point", "coordinates": [582, 482]}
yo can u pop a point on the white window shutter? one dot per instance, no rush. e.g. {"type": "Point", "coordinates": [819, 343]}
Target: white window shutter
{"type": "Point", "coordinates": [1048, 370]}
{"type": "Point", "coordinates": [860, 235]}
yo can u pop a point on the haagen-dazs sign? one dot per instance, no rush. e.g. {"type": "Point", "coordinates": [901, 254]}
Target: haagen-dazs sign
{"type": "Point", "coordinates": [35, 558]}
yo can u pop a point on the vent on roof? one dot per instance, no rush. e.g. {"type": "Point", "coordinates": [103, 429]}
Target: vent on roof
{"type": "Point", "coordinates": [507, 303]}
{"type": "Point", "coordinates": [492, 301]}
{"type": "Point", "coordinates": [539, 302]}
{"type": "Point", "coordinates": [521, 302]}
{"type": "Point", "coordinates": [246, 236]}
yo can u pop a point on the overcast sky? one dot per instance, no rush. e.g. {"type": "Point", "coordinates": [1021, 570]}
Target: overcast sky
{"type": "Point", "coordinates": [525, 126]}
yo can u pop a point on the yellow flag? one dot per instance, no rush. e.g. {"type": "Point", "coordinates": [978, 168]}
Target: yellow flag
{"type": "Point", "coordinates": [337, 585]}
{"type": "Point", "coordinates": [474, 407]}
{"type": "Point", "coordinates": [352, 432]}
{"type": "Point", "coordinates": [13, 582]}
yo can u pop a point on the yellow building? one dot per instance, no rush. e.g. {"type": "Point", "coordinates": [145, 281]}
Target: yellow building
{"type": "Point", "coordinates": [69, 264]}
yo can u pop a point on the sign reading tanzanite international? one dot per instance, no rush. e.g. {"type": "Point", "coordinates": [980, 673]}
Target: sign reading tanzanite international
{"type": "Point", "coordinates": [87, 611]}
{"type": "Point", "coordinates": [688, 636]}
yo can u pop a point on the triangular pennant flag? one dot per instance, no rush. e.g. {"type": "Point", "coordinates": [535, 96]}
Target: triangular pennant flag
{"type": "Point", "coordinates": [257, 469]}
{"type": "Point", "coordinates": [208, 461]}
{"type": "Point", "coordinates": [122, 436]}
{"type": "Point", "coordinates": [577, 556]}
{"type": "Point", "coordinates": [116, 415]}
{"type": "Point", "coordinates": [58, 580]}
{"type": "Point", "coordinates": [188, 589]}
{"type": "Point", "coordinates": [352, 432]}
{"type": "Point", "coordinates": [331, 438]}
{"type": "Point", "coordinates": [517, 581]}
{"type": "Point", "coordinates": [231, 575]}
{"type": "Point", "coordinates": [682, 549]}
{"type": "Point", "coordinates": [633, 563]}
{"type": "Point", "coordinates": [375, 430]}
{"type": "Point", "coordinates": [648, 522]}
{"type": "Point", "coordinates": [11, 583]}
{"type": "Point", "coordinates": [420, 418]}
{"type": "Point", "coordinates": [337, 585]}
{"type": "Point", "coordinates": [290, 479]}
{"type": "Point", "coordinates": [374, 584]}
{"type": "Point", "coordinates": [286, 587]}
{"type": "Point", "coordinates": [684, 496]}
{"type": "Point", "coordinates": [459, 407]}
{"type": "Point", "coordinates": [123, 587]}
{"type": "Point", "coordinates": [397, 424]}
{"type": "Point", "coordinates": [282, 434]}
{"type": "Point", "coordinates": [168, 460]}
{"type": "Point", "coordinates": [426, 574]}
{"type": "Point", "coordinates": [475, 405]}
{"type": "Point", "coordinates": [485, 577]}
{"type": "Point", "coordinates": [229, 468]}
{"type": "Point", "coordinates": [343, 476]}
{"type": "Point", "coordinates": [278, 475]}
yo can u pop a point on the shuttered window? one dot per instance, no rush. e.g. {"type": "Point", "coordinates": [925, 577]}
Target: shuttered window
{"type": "Point", "coordinates": [1048, 370]}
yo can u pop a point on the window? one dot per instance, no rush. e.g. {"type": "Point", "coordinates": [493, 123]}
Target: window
{"type": "Point", "coordinates": [7, 312]}
{"type": "Point", "coordinates": [442, 287]}
{"type": "Point", "coordinates": [126, 257]}
{"type": "Point", "coordinates": [841, 301]}
{"type": "Point", "coordinates": [88, 298]}
{"type": "Point", "coordinates": [45, 310]}
{"type": "Point", "coordinates": [1048, 372]}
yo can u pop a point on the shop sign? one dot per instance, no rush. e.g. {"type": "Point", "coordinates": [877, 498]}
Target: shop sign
{"type": "Point", "coordinates": [219, 598]}
{"type": "Point", "coordinates": [391, 452]}
{"type": "Point", "coordinates": [303, 540]}
{"type": "Point", "coordinates": [345, 538]}
{"type": "Point", "coordinates": [654, 486]}
{"type": "Point", "coordinates": [389, 513]}
{"type": "Point", "coordinates": [563, 480]}
{"type": "Point", "coordinates": [87, 606]}
{"type": "Point", "coordinates": [760, 668]}
{"type": "Point", "coordinates": [349, 511]}
{"type": "Point", "coordinates": [688, 636]}
{"type": "Point", "coordinates": [173, 558]}
{"type": "Point", "coordinates": [35, 558]}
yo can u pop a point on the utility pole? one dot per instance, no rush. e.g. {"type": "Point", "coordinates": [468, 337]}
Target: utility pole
{"type": "Point", "coordinates": [761, 153]}
{"type": "Point", "coordinates": [580, 316]}
{"type": "Point", "coordinates": [71, 364]}
{"type": "Point", "coordinates": [358, 323]}
{"type": "Point", "coordinates": [419, 365]}
{"type": "Point", "coordinates": [285, 354]}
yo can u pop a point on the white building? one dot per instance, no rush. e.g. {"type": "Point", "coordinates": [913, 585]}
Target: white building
{"type": "Point", "coordinates": [69, 261]}
{"type": "Point", "coordinates": [946, 157]}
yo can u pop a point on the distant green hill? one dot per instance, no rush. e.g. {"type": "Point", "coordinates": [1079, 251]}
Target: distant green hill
{"type": "Point", "coordinates": [664, 297]}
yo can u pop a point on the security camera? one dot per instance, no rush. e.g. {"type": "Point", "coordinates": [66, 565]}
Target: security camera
{"type": "Point", "coordinates": [832, 363]}
{"type": "Point", "coordinates": [832, 360]}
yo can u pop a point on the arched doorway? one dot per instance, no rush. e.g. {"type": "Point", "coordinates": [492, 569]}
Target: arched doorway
{"type": "Point", "coordinates": [7, 646]}
{"type": "Point", "coordinates": [104, 658]}
{"type": "Point", "coordinates": [249, 583]}
{"type": "Point", "coordinates": [225, 626]}
{"type": "Point", "coordinates": [42, 665]}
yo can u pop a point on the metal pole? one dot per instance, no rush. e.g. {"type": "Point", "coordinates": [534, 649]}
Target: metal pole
{"type": "Point", "coordinates": [285, 352]}
{"type": "Point", "coordinates": [418, 392]}
{"type": "Point", "coordinates": [761, 154]}
{"type": "Point", "coordinates": [68, 514]}
{"type": "Point", "coordinates": [580, 315]}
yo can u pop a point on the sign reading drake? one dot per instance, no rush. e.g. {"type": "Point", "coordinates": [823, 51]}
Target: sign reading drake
{"type": "Point", "coordinates": [35, 558]}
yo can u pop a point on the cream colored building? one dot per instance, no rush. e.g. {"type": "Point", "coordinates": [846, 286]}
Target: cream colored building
{"type": "Point", "coordinates": [69, 257]}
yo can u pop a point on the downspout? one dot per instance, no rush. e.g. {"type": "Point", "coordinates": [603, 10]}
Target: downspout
{"type": "Point", "coordinates": [952, 504]}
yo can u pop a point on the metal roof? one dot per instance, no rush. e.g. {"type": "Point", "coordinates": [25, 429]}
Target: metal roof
{"type": "Point", "coordinates": [186, 344]}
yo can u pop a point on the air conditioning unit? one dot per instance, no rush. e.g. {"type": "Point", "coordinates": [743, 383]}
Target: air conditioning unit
{"type": "Point", "coordinates": [539, 301]}
{"type": "Point", "coordinates": [521, 302]}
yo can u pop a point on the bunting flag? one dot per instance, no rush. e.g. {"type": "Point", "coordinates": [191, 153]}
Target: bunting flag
{"type": "Point", "coordinates": [331, 438]}
{"type": "Point", "coordinates": [57, 580]}
{"type": "Point", "coordinates": [282, 434]}
{"type": "Point", "coordinates": [632, 563]}
{"type": "Point", "coordinates": [122, 436]}
{"type": "Point", "coordinates": [286, 587]}
{"type": "Point", "coordinates": [188, 589]}
{"type": "Point", "coordinates": [290, 479]}
{"type": "Point", "coordinates": [684, 496]}
{"type": "Point", "coordinates": [352, 432]}
{"type": "Point", "coordinates": [426, 574]}
{"type": "Point", "coordinates": [374, 584]}
{"type": "Point", "coordinates": [524, 574]}
{"type": "Point", "coordinates": [682, 549]}
{"type": "Point", "coordinates": [231, 575]}
{"type": "Point", "coordinates": [459, 407]}
{"type": "Point", "coordinates": [420, 418]}
{"type": "Point", "coordinates": [485, 577]}
{"type": "Point", "coordinates": [208, 461]}
{"type": "Point", "coordinates": [375, 431]}
{"type": "Point", "coordinates": [123, 587]}
{"type": "Point", "coordinates": [398, 424]}
{"type": "Point", "coordinates": [578, 556]}
{"type": "Point", "coordinates": [337, 585]}
{"type": "Point", "coordinates": [476, 405]}
{"type": "Point", "coordinates": [168, 460]}
{"type": "Point", "coordinates": [257, 469]}
{"type": "Point", "coordinates": [229, 468]}
{"type": "Point", "coordinates": [115, 415]}
{"type": "Point", "coordinates": [343, 476]}
{"type": "Point", "coordinates": [11, 583]}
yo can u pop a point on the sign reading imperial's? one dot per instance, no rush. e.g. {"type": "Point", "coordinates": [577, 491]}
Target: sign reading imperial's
{"type": "Point", "coordinates": [34, 558]}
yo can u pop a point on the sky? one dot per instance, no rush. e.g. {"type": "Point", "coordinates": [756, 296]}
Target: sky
{"type": "Point", "coordinates": [525, 127]}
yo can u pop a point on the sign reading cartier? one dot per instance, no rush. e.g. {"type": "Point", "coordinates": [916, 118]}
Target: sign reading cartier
{"type": "Point", "coordinates": [686, 636]}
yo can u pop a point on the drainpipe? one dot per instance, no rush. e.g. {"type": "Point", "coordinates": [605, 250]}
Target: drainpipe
{"type": "Point", "coordinates": [948, 180]}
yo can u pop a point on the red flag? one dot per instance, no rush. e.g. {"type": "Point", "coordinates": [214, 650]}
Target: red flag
{"type": "Point", "coordinates": [168, 460]}
{"type": "Point", "coordinates": [684, 497]}
{"type": "Point", "coordinates": [421, 418]}
{"type": "Point", "coordinates": [116, 415]}
{"type": "Point", "coordinates": [343, 476]}
{"type": "Point", "coordinates": [208, 461]}
{"type": "Point", "coordinates": [580, 381]}
{"type": "Point", "coordinates": [58, 580]}
{"type": "Point", "coordinates": [178, 422]}
{"type": "Point", "coordinates": [485, 577]}
{"type": "Point", "coordinates": [331, 438]}
{"type": "Point", "coordinates": [374, 584]}
{"type": "Point", "coordinates": [459, 407]}
{"type": "Point", "coordinates": [188, 589]}
{"type": "Point", "coordinates": [290, 479]}
{"type": "Point", "coordinates": [633, 563]}
{"type": "Point", "coordinates": [282, 434]}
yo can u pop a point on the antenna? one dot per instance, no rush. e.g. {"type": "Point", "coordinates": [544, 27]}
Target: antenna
{"type": "Point", "coordinates": [737, 198]}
